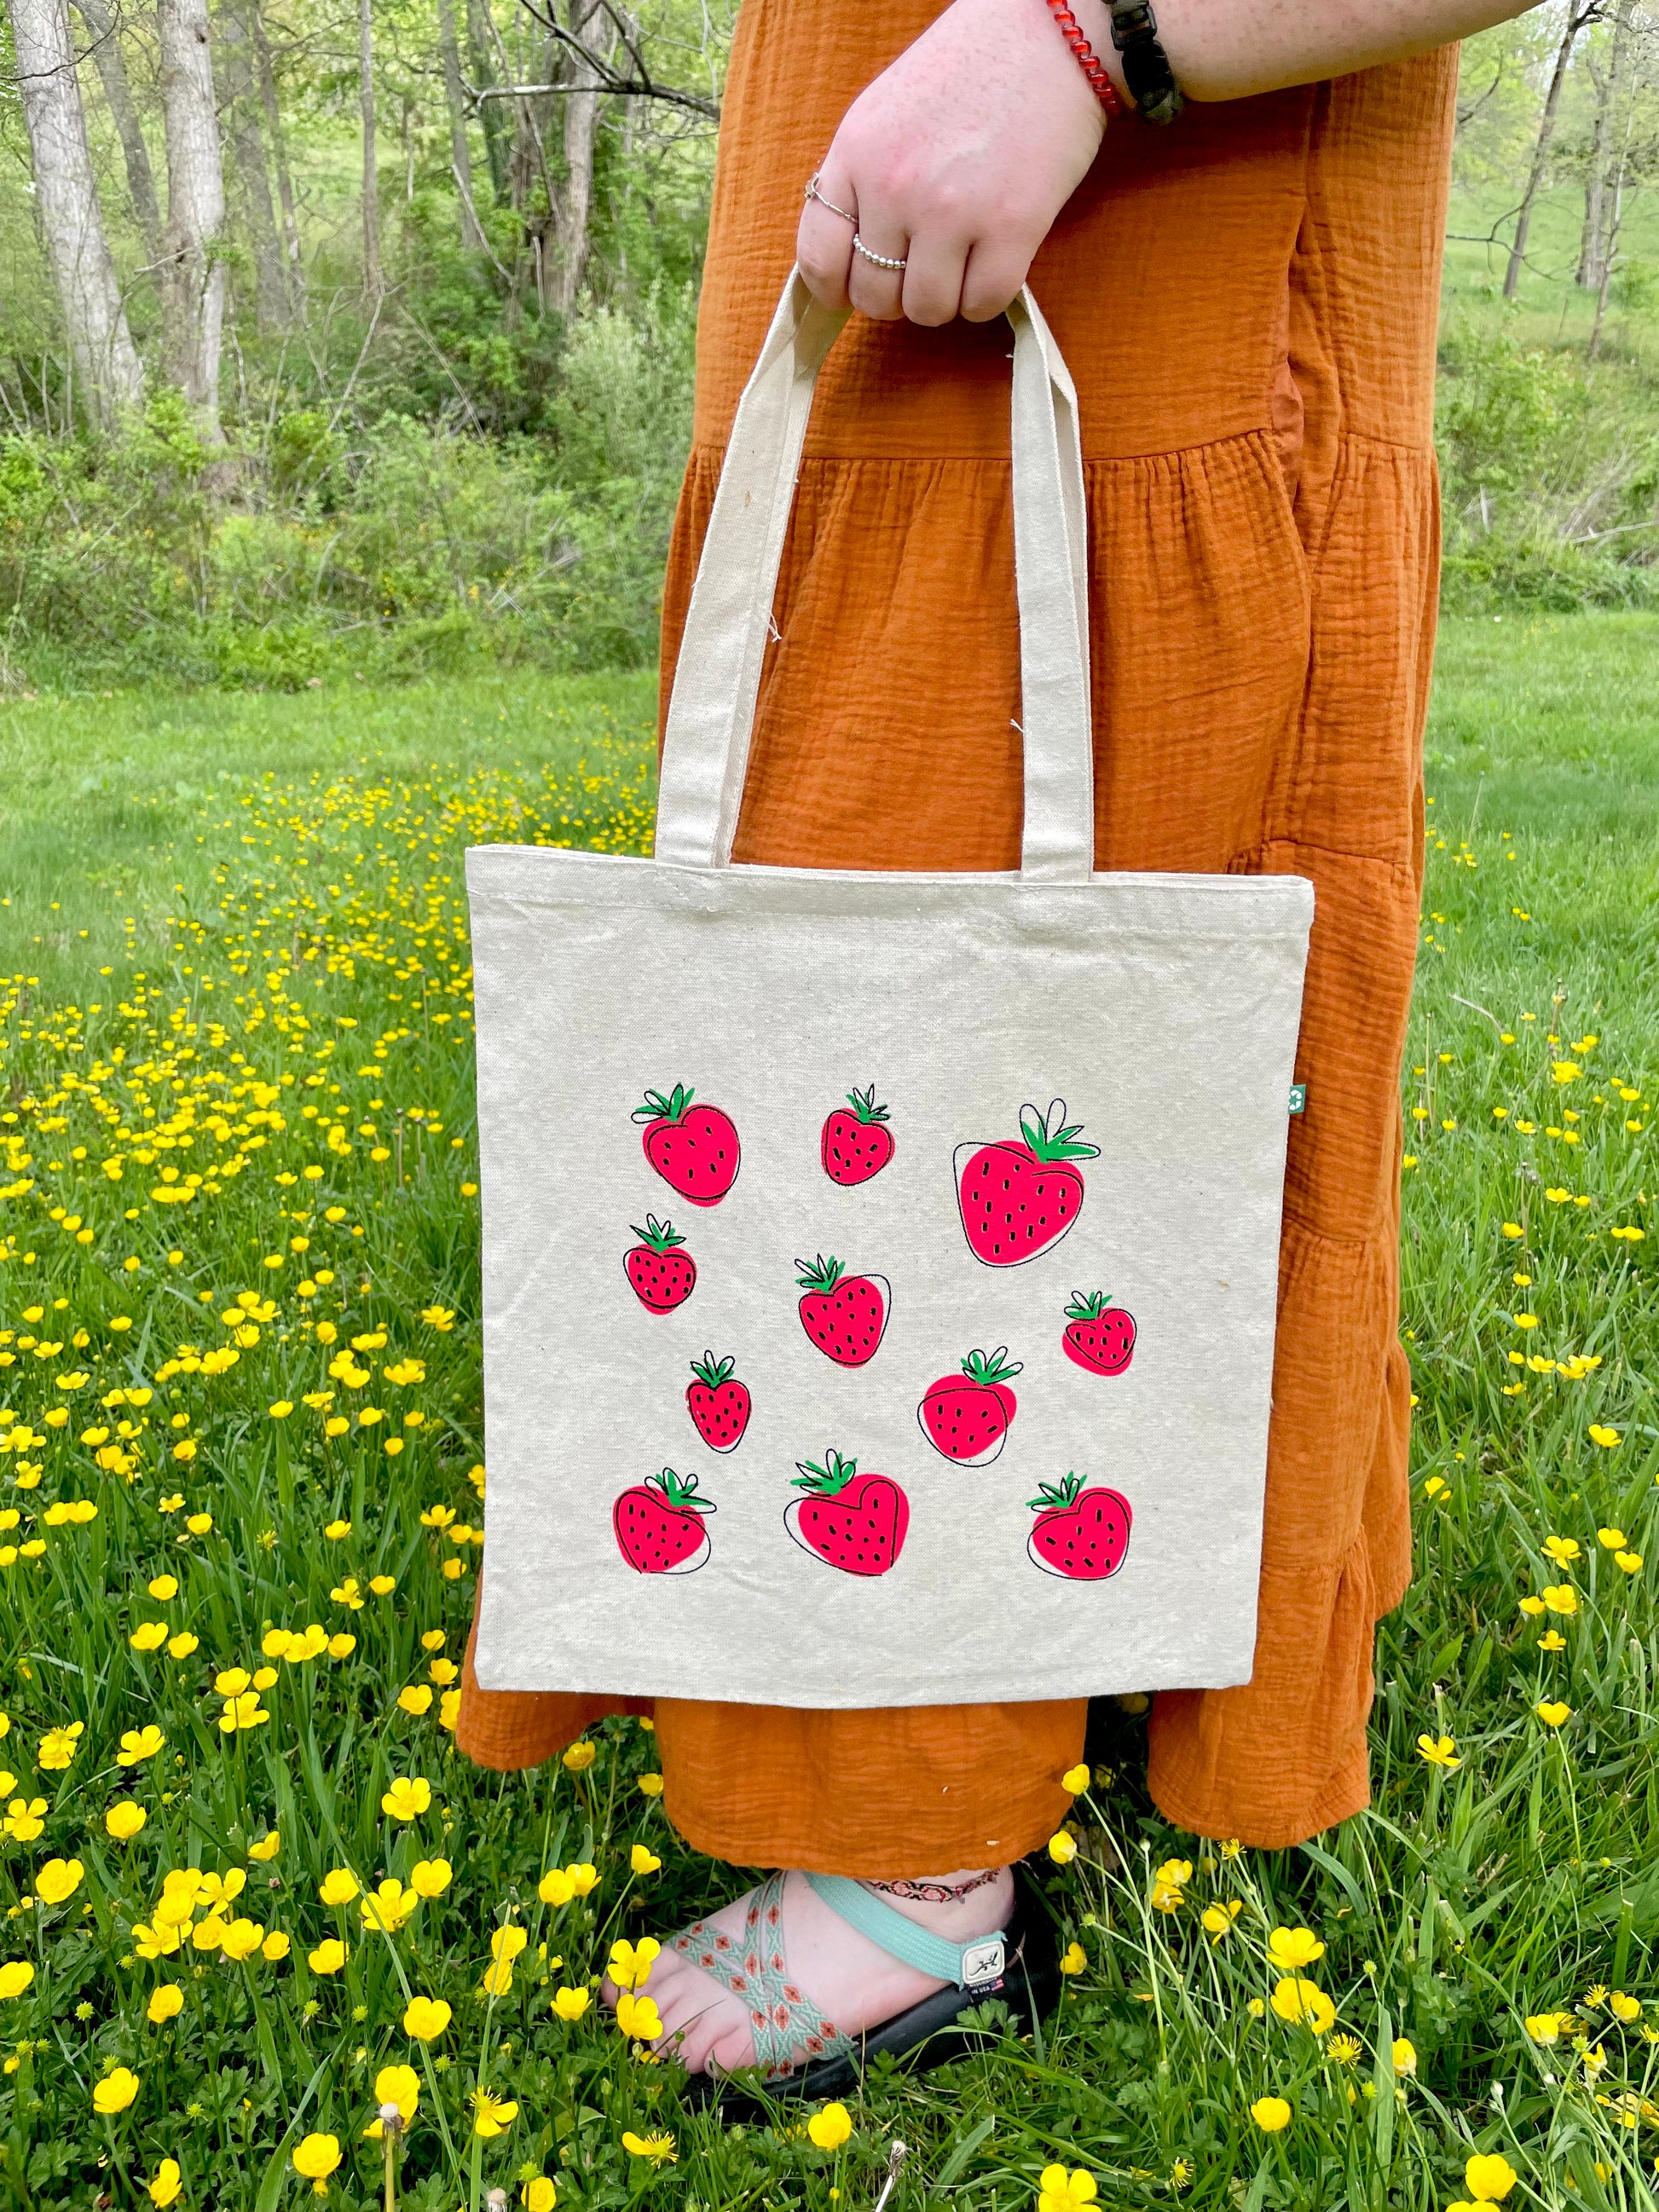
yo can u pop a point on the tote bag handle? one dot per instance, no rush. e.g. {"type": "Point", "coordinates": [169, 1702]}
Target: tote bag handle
{"type": "Point", "coordinates": [711, 714]}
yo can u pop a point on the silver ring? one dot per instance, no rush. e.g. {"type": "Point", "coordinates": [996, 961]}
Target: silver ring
{"type": "Point", "coordinates": [881, 260]}
{"type": "Point", "coordinates": [813, 193]}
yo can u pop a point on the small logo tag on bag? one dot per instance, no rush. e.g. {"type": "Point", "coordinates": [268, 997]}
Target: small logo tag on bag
{"type": "Point", "coordinates": [982, 1962]}
{"type": "Point", "coordinates": [1298, 1098]}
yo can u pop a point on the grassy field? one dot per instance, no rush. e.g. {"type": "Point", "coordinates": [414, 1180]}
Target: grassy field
{"type": "Point", "coordinates": [241, 1462]}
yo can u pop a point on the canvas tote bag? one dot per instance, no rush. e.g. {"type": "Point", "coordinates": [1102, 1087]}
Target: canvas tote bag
{"type": "Point", "coordinates": [879, 1268]}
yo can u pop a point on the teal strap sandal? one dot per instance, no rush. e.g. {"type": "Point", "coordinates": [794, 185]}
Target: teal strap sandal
{"type": "Point", "coordinates": [790, 2032]}
{"type": "Point", "coordinates": [965, 1965]}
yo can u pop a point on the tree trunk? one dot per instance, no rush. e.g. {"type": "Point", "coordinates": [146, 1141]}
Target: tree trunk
{"type": "Point", "coordinates": [460, 150]}
{"type": "Point", "coordinates": [1611, 83]}
{"type": "Point", "coordinates": [105, 34]}
{"type": "Point", "coordinates": [574, 205]}
{"type": "Point", "coordinates": [253, 173]}
{"type": "Point", "coordinates": [482, 37]}
{"type": "Point", "coordinates": [279, 139]}
{"type": "Point", "coordinates": [193, 277]}
{"type": "Point", "coordinates": [373, 282]}
{"type": "Point", "coordinates": [104, 360]}
{"type": "Point", "coordinates": [1577, 16]}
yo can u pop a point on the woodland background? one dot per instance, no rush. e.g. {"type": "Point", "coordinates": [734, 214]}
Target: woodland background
{"type": "Point", "coordinates": [345, 340]}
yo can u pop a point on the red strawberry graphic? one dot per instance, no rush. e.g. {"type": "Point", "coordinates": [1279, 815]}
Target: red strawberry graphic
{"type": "Point", "coordinates": [1082, 1535]}
{"type": "Point", "coordinates": [1101, 1336]}
{"type": "Point", "coordinates": [1016, 1199]}
{"type": "Point", "coordinates": [662, 1275]}
{"type": "Point", "coordinates": [966, 1416]}
{"type": "Point", "coordinates": [858, 1144]}
{"type": "Point", "coordinates": [856, 1522]}
{"type": "Point", "coordinates": [718, 1405]}
{"type": "Point", "coordinates": [844, 1315]}
{"type": "Point", "coordinates": [658, 1525]}
{"type": "Point", "coordinates": [693, 1148]}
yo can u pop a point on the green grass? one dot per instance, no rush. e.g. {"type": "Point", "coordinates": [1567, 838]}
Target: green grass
{"type": "Point", "coordinates": [315, 957]}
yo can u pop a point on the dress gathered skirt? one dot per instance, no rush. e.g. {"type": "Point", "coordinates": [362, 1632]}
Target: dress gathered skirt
{"type": "Point", "coordinates": [1246, 302]}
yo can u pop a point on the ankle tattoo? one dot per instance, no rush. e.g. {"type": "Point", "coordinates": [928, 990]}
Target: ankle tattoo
{"type": "Point", "coordinates": [936, 1893]}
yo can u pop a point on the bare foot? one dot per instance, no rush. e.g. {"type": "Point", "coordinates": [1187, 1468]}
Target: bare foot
{"type": "Point", "coordinates": [851, 1983]}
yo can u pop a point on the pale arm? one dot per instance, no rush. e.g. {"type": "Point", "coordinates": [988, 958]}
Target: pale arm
{"type": "Point", "coordinates": [959, 156]}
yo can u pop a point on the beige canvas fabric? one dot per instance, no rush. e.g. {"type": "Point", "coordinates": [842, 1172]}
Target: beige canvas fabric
{"type": "Point", "coordinates": [995, 1424]}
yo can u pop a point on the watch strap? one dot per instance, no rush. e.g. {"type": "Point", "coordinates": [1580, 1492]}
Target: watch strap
{"type": "Point", "coordinates": [1146, 71]}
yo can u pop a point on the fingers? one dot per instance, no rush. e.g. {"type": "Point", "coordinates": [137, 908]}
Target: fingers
{"type": "Point", "coordinates": [992, 278]}
{"type": "Point", "coordinates": [875, 284]}
{"type": "Point", "coordinates": [823, 240]}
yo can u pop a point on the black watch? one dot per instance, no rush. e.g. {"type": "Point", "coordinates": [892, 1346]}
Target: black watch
{"type": "Point", "coordinates": [1146, 68]}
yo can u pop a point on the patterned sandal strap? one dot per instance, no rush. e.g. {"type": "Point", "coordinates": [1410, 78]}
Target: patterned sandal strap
{"type": "Point", "coordinates": [967, 1964]}
{"type": "Point", "coordinates": [788, 2028]}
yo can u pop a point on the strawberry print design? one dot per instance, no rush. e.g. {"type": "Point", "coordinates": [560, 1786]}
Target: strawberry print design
{"type": "Point", "coordinates": [1019, 1199]}
{"type": "Point", "coordinates": [1081, 1535]}
{"type": "Point", "coordinates": [1101, 1337]}
{"type": "Point", "coordinates": [858, 1144]}
{"type": "Point", "coordinates": [854, 1522]}
{"type": "Point", "coordinates": [845, 1316]}
{"type": "Point", "coordinates": [662, 1275]}
{"type": "Point", "coordinates": [693, 1148]}
{"type": "Point", "coordinates": [965, 1416]}
{"type": "Point", "coordinates": [718, 1403]}
{"type": "Point", "coordinates": [658, 1525]}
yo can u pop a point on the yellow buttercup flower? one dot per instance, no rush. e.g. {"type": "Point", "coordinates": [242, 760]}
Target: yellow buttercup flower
{"type": "Point", "coordinates": [830, 2128]}
{"type": "Point", "coordinates": [538, 2194]}
{"type": "Point", "coordinates": [1439, 1751]}
{"type": "Point", "coordinates": [491, 2116]}
{"type": "Point", "coordinates": [1296, 1999]}
{"type": "Point", "coordinates": [426, 2019]}
{"type": "Point", "coordinates": [641, 1861]}
{"type": "Point", "coordinates": [337, 1887]}
{"type": "Point", "coordinates": [1552, 1713]}
{"type": "Point", "coordinates": [1271, 2114]}
{"type": "Point", "coordinates": [409, 1796]}
{"type": "Point", "coordinates": [429, 1877]}
{"type": "Point", "coordinates": [328, 1958]}
{"type": "Point", "coordinates": [571, 2004]}
{"type": "Point", "coordinates": [1624, 2007]}
{"type": "Point", "coordinates": [389, 1907]}
{"type": "Point", "coordinates": [115, 2092]}
{"type": "Point", "coordinates": [1404, 2054]}
{"type": "Point", "coordinates": [124, 1820]}
{"type": "Point", "coordinates": [1489, 2177]}
{"type": "Point", "coordinates": [16, 1976]}
{"type": "Point", "coordinates": [139, 1744]}
{"type": "Point", "coordinates": [166, 2003]}
{"type": "Point", "coordinates": [57, 1880]}
{"type": "Point", "coordinates": [659, 2149]}
{"type": "Point", "coordinates": [165, 2185]}
{"type": "Point", "coordinates": [637, 2018]}
{"type": "Point", "coordinates": [316, 2157]}
{"type": "Point", "coordinates": [578, 1757]}
{"type": "Point", "coordinates": [267, 1847]}
{"type": "Point", "coordinates": [630, 1963]}
{"type": "Point", "coordinates": [396, 2087]}
{"type": "Point", "coordinates": [1063, 1847]}
{"type": "Point", "coordinates": [1075, 1779]}
{"type": "Point", "coordinates": [1216, 1920]}
{"type": "Point", "coordinates": [1073, 1959]}
{"type": "Point", "coordinates": [1060, 2191]}
{"type": "Point", "coordinates": [1290, 1947]}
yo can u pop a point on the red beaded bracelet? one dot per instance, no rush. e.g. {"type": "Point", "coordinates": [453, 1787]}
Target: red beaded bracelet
{"type": "Point", "coordinates": [1088, 60]}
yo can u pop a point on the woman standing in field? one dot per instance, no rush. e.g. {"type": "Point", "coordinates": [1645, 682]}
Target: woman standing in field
{"type": "Point", "coordinates": [1246, 301]}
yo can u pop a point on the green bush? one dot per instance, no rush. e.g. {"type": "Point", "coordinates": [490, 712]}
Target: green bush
{"type": "Point", "coordinates": [410, 547]}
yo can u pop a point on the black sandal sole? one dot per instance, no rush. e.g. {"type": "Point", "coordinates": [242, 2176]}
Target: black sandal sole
{"type": "Point", "coordinates": [929, 2034]}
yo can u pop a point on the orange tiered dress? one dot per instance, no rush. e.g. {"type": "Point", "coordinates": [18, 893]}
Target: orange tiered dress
{"type": "Point", "coordinates": [1247, 304]}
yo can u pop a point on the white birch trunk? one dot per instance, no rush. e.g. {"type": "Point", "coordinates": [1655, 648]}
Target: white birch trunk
{"type": "Point", "coordinates": [373, 283]}
{"type": "Point", "coordinates": [574, 205]}
{"type": "Point", "coordinates": [104, 361]}
{"type": "Point", "coordinates": [193, 277]}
